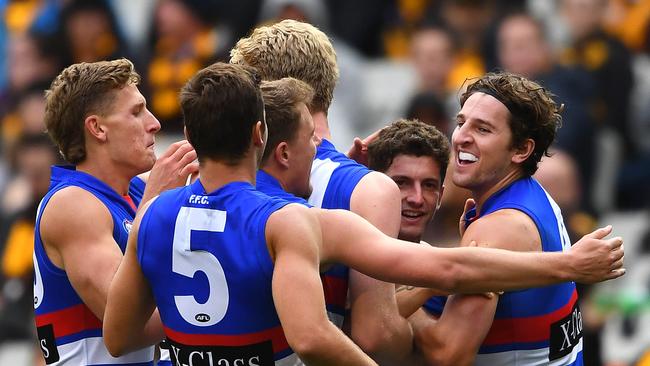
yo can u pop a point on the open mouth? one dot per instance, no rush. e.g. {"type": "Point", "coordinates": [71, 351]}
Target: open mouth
{"type": "Point", "coordinates": [465, 158]}
{"type": "Point", "coordinates": [412, 215]}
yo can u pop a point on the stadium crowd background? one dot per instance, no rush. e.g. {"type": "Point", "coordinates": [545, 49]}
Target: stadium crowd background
{"type": "Point", "coordinates": [398, 58]}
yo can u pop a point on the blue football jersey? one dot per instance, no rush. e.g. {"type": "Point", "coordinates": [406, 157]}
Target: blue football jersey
{"type": "Point", "coordinates": [206, 258]}
{"type": "Point", "coordinates": [68, 332]}
{"type": "Point", "coordinates": [539, 325]}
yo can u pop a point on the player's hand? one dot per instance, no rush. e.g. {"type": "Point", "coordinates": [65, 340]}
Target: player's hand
{"type": "Point", "coordinates": [172, 168]}
{"type": "Point", "coordinates": [595, 259]}
{"type": "Point", "coordinates": [359, 150]}
{"type": "Point", "coordinates": [469, 204]}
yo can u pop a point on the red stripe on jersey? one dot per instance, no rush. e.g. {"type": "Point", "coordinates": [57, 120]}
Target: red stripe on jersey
{"type": "Point", "coordinates": [529, 329]}
{"type": "Point", "coordinates": [276, 335]}
{"type": "Point", "coordinates": [70, 320]}
{"type": "Point", "coordinates": [336, 290]}
{"type": "Point", "coordinates": [129, 200]}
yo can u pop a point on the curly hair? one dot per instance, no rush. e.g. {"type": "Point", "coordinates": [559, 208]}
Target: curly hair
{"type": "Point", "coordinates": [78, 91]}
{"type": "Point", "coordinates": [533, 112]}
{"type": "Point", "coordinates": [292, 49]}
{"type": "Point", "coordinates": [408, 137]}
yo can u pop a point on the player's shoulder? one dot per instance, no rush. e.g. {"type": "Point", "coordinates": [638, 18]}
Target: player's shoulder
{"type": "Point", "coordinates": [292, 216]}
{"type": "Point", "coordinates": [375, 186]}
{"type": "Point", "coordinates": [71, 201]}
{"type": "Point", "coordinates": [506, 229]}
{"type": "Point", "coordinates": [74, 215]}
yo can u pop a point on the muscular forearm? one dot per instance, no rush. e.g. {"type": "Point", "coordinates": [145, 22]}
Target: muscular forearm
{"type": "Point", "coordinates": [476, 270]}
{"type": "Point", "coordinates": [449, 340]}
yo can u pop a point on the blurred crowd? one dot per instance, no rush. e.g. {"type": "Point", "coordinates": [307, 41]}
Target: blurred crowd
{"type": "Point", "coordinates": [398, 58]}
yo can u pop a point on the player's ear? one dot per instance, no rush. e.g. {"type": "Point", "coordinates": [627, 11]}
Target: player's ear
{"type": "Point", "coordinates": [95, 128]}
{"type": "Point", "coordinates": [439, 203]}
{"type": "Point", "coordinates": [523, 151]}
{"type": "Point", "coordinates": [281, 154]}
{"type": "Point", "coordinates": [259, 134]}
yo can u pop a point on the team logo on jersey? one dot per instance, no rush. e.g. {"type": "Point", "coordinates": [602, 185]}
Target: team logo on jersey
{"type": "Point", "coordinates": [202, 318]}
{"type": "Point", "coordinates": [258, 354]}
{"type": "Point", "coordinates": [565, 334]}
{"type": "Point", "coordinates": [127, 225]}
{"type": "Point", "coordinates": [47, 343]}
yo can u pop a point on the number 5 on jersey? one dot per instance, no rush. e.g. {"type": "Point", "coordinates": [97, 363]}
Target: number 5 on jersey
{"type": "Point", "coordinates": [187, 262]}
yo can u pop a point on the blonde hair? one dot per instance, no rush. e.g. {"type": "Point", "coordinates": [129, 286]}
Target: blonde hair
{"type": "Point", "coordinates": [80, 90]}
{"type": "Point", "coordinates": [292, 49]}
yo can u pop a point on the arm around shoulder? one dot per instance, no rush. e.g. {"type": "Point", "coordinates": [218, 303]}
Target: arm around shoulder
{"type": "Point", "coordinates": [298, 291]}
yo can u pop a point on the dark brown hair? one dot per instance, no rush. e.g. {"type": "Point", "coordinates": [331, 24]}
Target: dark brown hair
{"type": "Point", "coordinates": [408, 137]}
{"type": "Point", "coordinates": [220, 105]}
{"type": "Point", "coordinates": [533, 112]}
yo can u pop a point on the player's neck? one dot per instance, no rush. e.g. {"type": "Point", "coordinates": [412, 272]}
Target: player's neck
{"type": "Point", "coordinates": [482, 195]}
{"type": "Point", "coordinates": [321, 125]}
{"type": "Point", "coordinates": [112, 175]}
{"type": "Point", "coordinates": [275, 171]}
{"type": "Point", "coordinates": [216, 174]}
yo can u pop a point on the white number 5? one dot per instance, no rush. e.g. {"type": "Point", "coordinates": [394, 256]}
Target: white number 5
{"type": "Point", "coordinates": [187, 262]}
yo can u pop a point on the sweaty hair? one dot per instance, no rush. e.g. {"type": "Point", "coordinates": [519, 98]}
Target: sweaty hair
{"type": "Point", "coordinates": [281, 98]}
{"type": "Point", "coordinates": [292, 49]}
{"type": "Point", "coordinates": [533, 113]}
{"type": "Point", "coordinates": [81, 90]}
{"type": "Point", "coordinates": [220, 106]}
{"type": "Point", "coordinates": [408, 137]}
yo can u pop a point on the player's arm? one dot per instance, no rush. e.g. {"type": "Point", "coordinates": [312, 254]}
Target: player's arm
{"type": "Point", "coordinates": [376, 325]}
{"type": "Point", "coordinates": [131, 320]}
{"type": "Point", "coordinates": [466, 270]}
{"type": "Point", "coordinates": [293, 237]}
{"type": "Point", "coordinates": [410, 298]}
{"type": "Point", "coordinates": [454, 339]}
{"type": "Point", "coordinates": [77, 232]}
{"type": "Point", "coordinates": [170, 170]}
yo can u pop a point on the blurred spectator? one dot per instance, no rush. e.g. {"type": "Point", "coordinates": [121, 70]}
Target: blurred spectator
{"type": "Point", "coordinates": [184, 41]}
{"type": "Point", "coordinates": [522, 48]}
{"type": "Point", "coordinates": [433, 55]}
{"type": "Point", "coordinates": [360, 23]}
{"type": "Point", "coordinates": [25, 115]}
{"type": "Point", "coordinates": [430, 109]}
{"type": "Point", "coordinates": [469, 21]}
{"type": "Point", "coordinates": [606, 59]}
{"type": "Point", "coordinates": [89, 32]}
{"type": "Point", "coordinates": [32, 157]}
{"type": "Point", "coordinates": [629, 21]}
{"type": "Point", "coordinates": [31, 57]}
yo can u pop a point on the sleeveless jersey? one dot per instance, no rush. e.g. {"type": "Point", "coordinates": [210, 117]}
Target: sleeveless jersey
{"type": "Point", "coordinates": [334, 177]}
{"type": "Point", "coordinates": [539, 326]}
{"type": "Point", "coordinates": [68, 332]}
{"type": "Point", "coordinates": [335, 279]}
{"type": "Point", "coordinates": [206, 258]}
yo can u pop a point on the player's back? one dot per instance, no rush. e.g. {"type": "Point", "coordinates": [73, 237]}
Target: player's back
{"type": "Point", "coordinates": [206, 258]}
